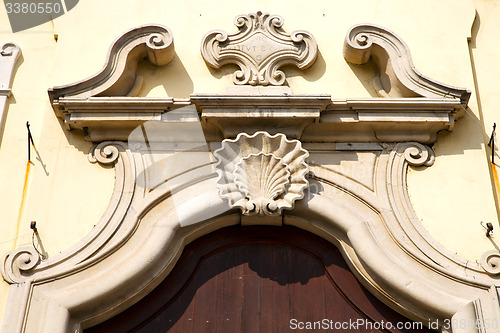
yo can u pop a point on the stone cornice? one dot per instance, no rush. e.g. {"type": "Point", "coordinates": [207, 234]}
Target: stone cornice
{"type": "Point", "coordinates": [208, 101]}
{"type": "Point", "coordinates": [310, 117]}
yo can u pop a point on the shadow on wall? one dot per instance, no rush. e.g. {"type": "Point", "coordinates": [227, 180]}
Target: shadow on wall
{"type": "Point", "coordinates": [468, 132]}
{"type": "Point", "coordinates": [475, 30]}
{"type": "Point", "coordinates": [75, 138]}
{"type": "Point", "coordinates": [365, 74]}
{"type": "Point", "coordinates": [467, 135]}
{"type": "Point", "coordinates": [226, 70]}
{"type": "Point", "coordinates": [173, 78]}
{"type": "Point", "coordinates": [311, 74]}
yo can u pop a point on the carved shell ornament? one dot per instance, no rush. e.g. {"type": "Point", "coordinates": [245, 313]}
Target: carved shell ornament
{"type": "Point", "coordinates": [259, 48]}
{"type": "Point", "coordinates": [261, 174]}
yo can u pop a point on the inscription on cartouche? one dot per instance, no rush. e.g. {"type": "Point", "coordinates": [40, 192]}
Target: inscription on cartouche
{"type": "Point", "coordinates": [259, 47]}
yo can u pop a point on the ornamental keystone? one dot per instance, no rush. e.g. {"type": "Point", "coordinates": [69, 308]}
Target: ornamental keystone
{"type": "Point", "coordinates": [260, 48]}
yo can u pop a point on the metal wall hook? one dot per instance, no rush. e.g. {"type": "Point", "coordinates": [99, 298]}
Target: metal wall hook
{"type": "Point", "coordinates": [33, 226]}
{"type": "Point", "coordinates": [42, 253]}
{"type": "Point", "coordinates": [30, 140]}
{"type": "Point", "coordinates": [489, 228]}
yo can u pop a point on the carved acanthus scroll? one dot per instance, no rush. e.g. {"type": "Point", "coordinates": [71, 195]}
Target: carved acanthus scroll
{"type": "Point", "coordinates": [259, 48]}
{"type": "Point", "coordinates": [261, 173]}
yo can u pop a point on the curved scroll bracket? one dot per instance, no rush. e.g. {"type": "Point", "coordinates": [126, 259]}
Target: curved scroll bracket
{"type": "Point", "coordinates": [490, 262]}
{"type": "Point", "coordinates": [25, 265]}
{"type": "Point", "coordinates": [260, 48]}
{"type": "Point", "coordinates": [397, 76]}
{"type": "Point", "coordinates": [105, 153]}
{"type": "Point", "coordinates": [118, 77]}
{"type": "Point", "coordinates": [15, 265]}
{"type": "Point", "coordinates": [417, 154]}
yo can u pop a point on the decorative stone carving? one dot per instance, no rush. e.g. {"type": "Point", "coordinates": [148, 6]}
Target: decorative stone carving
{"type": "Point", "coordinates": [142, 234]}
{"type": "Point", "coordinates": [9, 54]}
{"type": "Point", "coordinates": [397, 76]}
{"type": "Point", "coordinates": [418, 155]}
{"type": "Point", "coordinates": [490, 261]}
{"type": "Point", "coordinates": [259, 48]}
{"type": "Point", "coordinates": [118, 77]}
{"type": "Point", "coordinates": [261, 173]}
{"type": "Point", "coordinates": [104, 153]}
{"type": "Point", "coordinates": [15, 264]}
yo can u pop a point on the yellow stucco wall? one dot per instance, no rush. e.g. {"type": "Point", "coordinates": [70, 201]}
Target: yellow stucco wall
{"type": "Point", "coordinates": [456, 195]}
{"type": "Point", "coordinates": [66, 195]}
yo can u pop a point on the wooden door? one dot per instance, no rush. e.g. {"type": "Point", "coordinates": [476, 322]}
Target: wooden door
{"type": "Point", "coordinates": [259, 279]}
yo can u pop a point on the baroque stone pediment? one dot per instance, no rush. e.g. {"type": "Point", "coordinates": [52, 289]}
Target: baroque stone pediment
{"type": "Point", "coordinates": [104, 107]}
{"type": "Point", "coordinates": [260, 48]}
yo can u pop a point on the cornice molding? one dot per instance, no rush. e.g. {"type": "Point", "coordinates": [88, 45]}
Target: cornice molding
{"type": "Point", "coordinates": [118, 76]}
{"type": "Point", "coordinates": [307, 117]}
{"type": "Point", "coordinates": [397, 76]}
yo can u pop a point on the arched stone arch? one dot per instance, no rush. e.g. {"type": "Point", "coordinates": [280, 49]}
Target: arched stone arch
{"type": "Point", "coordinates": [121, 261]}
